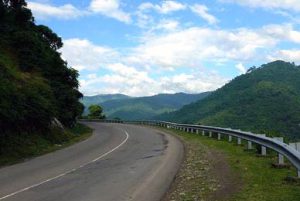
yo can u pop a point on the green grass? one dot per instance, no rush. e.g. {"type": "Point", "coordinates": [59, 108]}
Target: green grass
{"type": "Point", "coordinates": [260, 181]}
{"type": "Point", "coordinates": [20, 147]}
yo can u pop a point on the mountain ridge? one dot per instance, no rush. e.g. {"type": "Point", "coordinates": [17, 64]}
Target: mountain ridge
{"type": "Point", "coordinates": [264, 100]}
{"type": "Point", "coordinates": [147, 107]}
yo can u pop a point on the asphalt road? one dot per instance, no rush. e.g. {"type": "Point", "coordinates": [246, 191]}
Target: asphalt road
{"type": "Point", "coordinates": [119, 162]}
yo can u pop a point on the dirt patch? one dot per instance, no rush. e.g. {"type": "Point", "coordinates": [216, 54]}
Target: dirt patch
{"type": "Point", "coordinates": [205, 175]}
{"type": "Point", "coordinates": [228, 182]}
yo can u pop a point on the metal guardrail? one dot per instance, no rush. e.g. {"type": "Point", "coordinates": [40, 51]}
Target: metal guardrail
{"type": "Point", "coordinates": [266, 142]}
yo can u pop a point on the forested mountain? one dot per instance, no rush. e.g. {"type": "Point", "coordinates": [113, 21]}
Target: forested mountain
{"type": "Point", "coordinates": [265, 99]}
{"type": "Point", "coordinates": [89, 100]}
{"type": "Point", "coordinates": [36, 85]}
{"type": "Point", "coordinates": [147, 107]}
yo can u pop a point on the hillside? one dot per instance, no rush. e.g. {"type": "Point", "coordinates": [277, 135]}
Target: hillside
{"type": "Point", "coordinates": [36, 85]}
{"type": "Point", "coordinates": [265, 99]}
{"type": "Point", "coordinates": [147, 107]}
{"type": "Point", "coordinates": [89, 100]}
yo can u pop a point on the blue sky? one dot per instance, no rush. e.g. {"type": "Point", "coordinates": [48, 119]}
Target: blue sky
{"type": "Point", "coordinates": [143, 48]}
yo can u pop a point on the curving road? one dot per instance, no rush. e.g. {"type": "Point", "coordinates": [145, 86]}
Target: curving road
{"type": "Point", "coordinates": [119, 162]}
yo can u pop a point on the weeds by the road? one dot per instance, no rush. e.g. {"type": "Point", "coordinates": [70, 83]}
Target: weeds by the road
{"type": "Point", "coordinates": [219, 170]}
{"type": "Point", "coordinates": [23, 147]}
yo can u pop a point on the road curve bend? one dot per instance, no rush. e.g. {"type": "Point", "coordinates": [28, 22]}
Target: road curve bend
{"type": "Point", "coordinates": [118, 163]}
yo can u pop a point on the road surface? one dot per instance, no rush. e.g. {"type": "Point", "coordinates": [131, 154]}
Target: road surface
{"type": "Point", "coordinates": [119, 162]}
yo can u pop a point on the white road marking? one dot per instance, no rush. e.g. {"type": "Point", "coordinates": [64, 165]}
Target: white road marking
{"type": "Point", "coordinates": [68, 172]}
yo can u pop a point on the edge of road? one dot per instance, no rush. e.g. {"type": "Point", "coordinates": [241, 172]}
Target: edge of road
{"type": "Point", "coordinates": [154, 187]}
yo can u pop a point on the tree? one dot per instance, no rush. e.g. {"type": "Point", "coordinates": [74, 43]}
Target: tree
{"type": "Point", "coordinates": [95, 112]}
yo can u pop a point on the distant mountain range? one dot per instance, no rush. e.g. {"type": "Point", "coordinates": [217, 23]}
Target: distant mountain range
{"type": "Point", "coordinates": [89, 100]}
{"type": "Point", "coordinates": [133, 108]}
{"type": "Point", "coordinates": [264, 100]}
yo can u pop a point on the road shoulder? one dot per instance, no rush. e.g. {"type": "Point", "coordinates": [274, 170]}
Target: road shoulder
{"type": "Point", "coordinates": [154, 187]}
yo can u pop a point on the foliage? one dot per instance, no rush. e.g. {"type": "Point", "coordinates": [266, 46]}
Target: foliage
{"type": "Point", "coordinates": [95, 112]}
{"type": "Point", "coordinates": [264, 100]}
{"type": "Point", "coordinates": [36, 85]}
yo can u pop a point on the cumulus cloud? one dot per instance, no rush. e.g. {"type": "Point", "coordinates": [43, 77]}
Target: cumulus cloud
{"type": "Point", "coordinates": [44, 11]}
{"type": "Point", "coordinates": [165, 7]}
{"type": "Point", "coordinates": [292, 5]}
{"type": "Point", "coordinates": [84, 55]}
{"type": "Point", "coordinates": [189, 47]}
{"type": "Point", "coordinates": [110, 8]}
{"type": "Point", "coordinates": [282, 32]}
{"type": "Point", "coordinates": [128, 80]}
{"type": "Point", "coordinates": [286, 55]}
{"type": "Point", "coordinates": [202, 11]}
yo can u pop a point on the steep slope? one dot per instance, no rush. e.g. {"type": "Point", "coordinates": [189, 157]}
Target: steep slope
{"type": "Point", "coordinates": [38, 90]}
{"type": "Point", "coordinates": [265, 99]}
{"type": "Point", "coordinates": [147, 107]}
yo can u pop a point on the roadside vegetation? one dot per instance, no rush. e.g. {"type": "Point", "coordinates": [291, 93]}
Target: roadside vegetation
{"type": "Point", "coordinates": [95, 112]}
{"type": "Point", "coordinates": [39, 96]}
{"type": "Point", "coordinates": [23, 146]}
{"type": "Point", "coordinates": [219, 170]}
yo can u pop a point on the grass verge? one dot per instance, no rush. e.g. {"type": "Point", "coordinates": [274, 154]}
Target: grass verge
{"type": "Point", "coordinates": [249, 178]}
{"type": "Point", "coordinates": [18, 148]}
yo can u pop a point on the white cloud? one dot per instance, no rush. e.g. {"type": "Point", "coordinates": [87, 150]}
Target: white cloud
{"type": "Point", "coordinates": [286, 55]}
{"type": "Point", "coordinates": [44, 11]}
{"type": "Point", "coordinates": [128, 80]}
{"type": "Point", "coordinates": [241, 68]}
{"type": "Point", "coordinates": [110, 8]}
{"type": "Point", "coordinates": [167, 24]}
{"type": "Point", "coordinates": [282, 32]}
{"type": "Point", "coordinates": [165, 7]}
{"type": "Point", "coordinates": [202, 11]}
{"type": "Point", "coordinates": [190, 47]}
{"type": "Point", "coordinates": [292, 5]}
{"type": "Point", "coordinates": [84, 55]}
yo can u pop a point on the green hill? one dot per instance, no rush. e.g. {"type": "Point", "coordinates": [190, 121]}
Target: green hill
{"type": "Point", "coordinates": [265, 99]}
{"type": "Point", "coordinates": [148, 107]}
{"type": "Point", "coordinates": [36, 85]}
{"type": "Point", "coordinates": [89, 100]}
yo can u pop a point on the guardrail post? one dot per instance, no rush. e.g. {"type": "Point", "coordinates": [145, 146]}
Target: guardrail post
{"type": "Point", "coordinates": [280, 156]}
{"type": "Point", "coordinates": [263, 150]}
{"type": "Point", "coordinates": [229, 138]}
{"type": "Point", "coordinates": [203, 132]}
{"type": "Point", "coordinates": [219, 136]}
{"type": "Point", "coordinates": [298, 173]}
{"type": "Point", "coordinates": [239, 141]}
{"type": "Point", "coordinates": [280, 159]}
{"type": "Point", "coordinates": [249, 145]}
{"type": "Point", "coordinates": [210, 134]}
{"type": "Point", "coordinates": [197, 131]}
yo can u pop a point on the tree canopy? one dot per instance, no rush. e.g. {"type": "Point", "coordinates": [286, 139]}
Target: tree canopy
{"type": "Point", "coordinates": [95, 112]}
{"type": "Point", "coordinates": [36, 84]}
